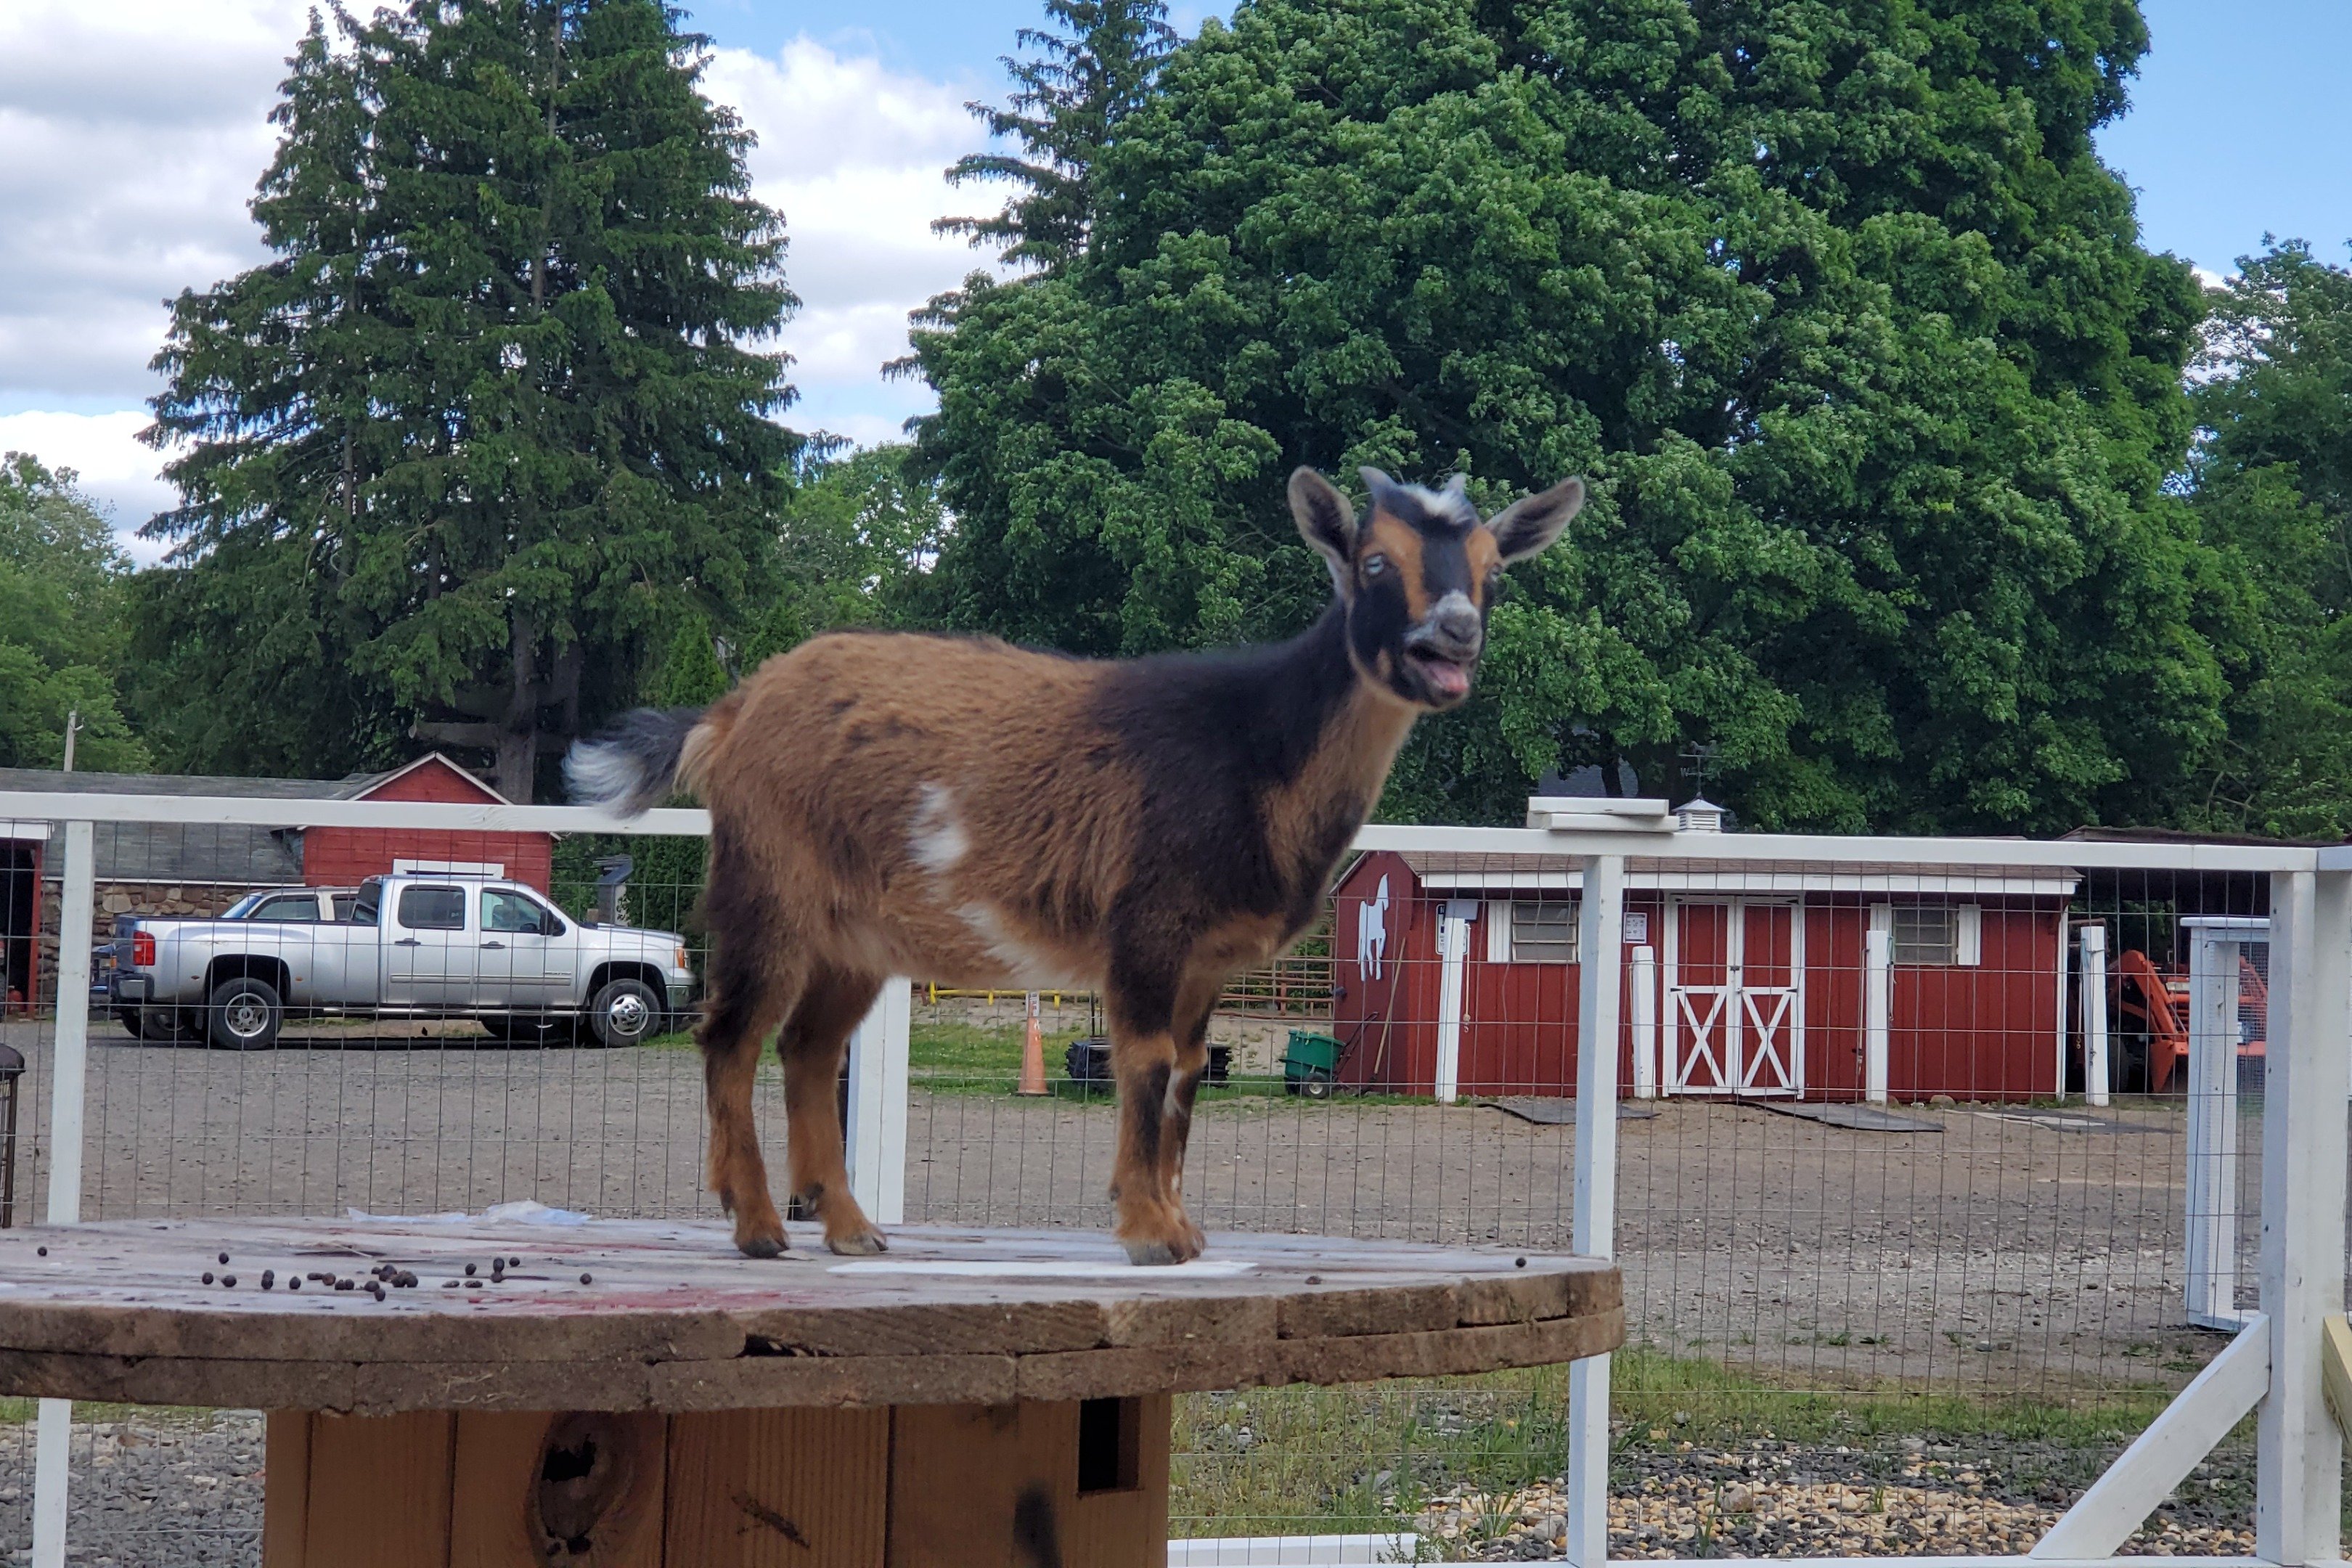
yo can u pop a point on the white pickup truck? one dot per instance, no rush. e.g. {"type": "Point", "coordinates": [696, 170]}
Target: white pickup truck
{"type": "Point", "coordinates": [409, 946]}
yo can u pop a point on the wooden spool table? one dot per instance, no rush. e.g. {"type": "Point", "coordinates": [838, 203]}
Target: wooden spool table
{"type": "Point", "coordinates": [992, 1398]}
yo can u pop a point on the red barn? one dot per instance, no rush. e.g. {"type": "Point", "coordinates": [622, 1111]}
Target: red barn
{"type": "Point", "coordinates": [1754, 977]}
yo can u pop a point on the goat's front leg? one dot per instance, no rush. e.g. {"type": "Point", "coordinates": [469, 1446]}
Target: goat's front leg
{"type": "Point", "coordinates": [1192, 1064]}
{"type": "Point", "coordinates": [1143, 1057]}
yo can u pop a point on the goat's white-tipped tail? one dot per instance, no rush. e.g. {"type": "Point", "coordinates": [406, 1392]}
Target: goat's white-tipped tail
{"type": "Point", "coordinates": [632, 766]}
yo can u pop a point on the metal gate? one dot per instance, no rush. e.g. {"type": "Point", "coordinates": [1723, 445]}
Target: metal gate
{"type": "Point", "coordinates": [1735, 997]}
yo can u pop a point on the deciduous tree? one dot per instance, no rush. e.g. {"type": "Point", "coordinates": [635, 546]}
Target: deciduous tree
{"type": "Point", "coordinates": [1837, 307]}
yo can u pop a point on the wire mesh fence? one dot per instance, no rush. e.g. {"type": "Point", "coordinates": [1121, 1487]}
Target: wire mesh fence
{"type": "Point", "coordinates": [1878, 1240]}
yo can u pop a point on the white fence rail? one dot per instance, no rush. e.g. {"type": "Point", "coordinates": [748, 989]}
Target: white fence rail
{"type": "Point", "coordinates": [2274, 1366]}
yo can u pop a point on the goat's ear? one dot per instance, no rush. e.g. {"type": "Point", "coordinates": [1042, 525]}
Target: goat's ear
{"type": "Point", "coordinates": [1529, 525]}
{"type": "Point", "coordinates": [1325, 519]}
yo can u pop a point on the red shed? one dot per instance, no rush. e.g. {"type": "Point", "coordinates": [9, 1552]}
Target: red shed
{"type": "Point", "coordinates": [338, 857]}
{"type": "Point", "coordinates": [1754, 976]}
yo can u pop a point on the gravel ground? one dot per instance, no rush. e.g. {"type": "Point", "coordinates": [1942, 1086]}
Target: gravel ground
{"type": "Point", "coordinates": [172, 1490]}
{"type": "Point", "coordinates": [151, 1491]}
{"type": "Point", "coordinates": [1995, 1255]}
{"type": "Point", "coordinates": [1908, 1498]}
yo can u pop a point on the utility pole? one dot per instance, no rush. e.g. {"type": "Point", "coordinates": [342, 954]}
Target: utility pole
{"type": "Point", "coordinates": [73, 728]}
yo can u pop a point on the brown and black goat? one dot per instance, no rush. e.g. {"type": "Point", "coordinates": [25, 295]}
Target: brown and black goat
{"type": "Point", "coordinates": [979, 815]}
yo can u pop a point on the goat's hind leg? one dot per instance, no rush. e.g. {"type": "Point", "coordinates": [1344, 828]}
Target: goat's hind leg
{"type": "Point", "coordinates": [754, 980]}
{"type": "Point", "coordinates": [814, 1041]}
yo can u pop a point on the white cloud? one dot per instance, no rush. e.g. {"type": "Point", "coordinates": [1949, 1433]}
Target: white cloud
{"type": "Point", "coordinates": [130, 137]}
{"type": "Point", "coordinates": [853, 156]}
{"type": "Point", "coordinates": [111, 467]}
{"type": "Point", "coordinates": [132, 134]}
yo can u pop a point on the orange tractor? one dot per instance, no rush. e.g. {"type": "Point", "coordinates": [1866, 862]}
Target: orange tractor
{"type": "Point", "coordinates": [2153, 1005]}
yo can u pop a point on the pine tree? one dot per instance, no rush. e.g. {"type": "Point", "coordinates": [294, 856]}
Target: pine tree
{"type": "Point", "coordinates": [1068, 102]}
{"type": "Point", "coordinates": [464, 451]}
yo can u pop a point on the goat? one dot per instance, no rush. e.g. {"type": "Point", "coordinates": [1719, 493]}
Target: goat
{"type": "Point", "coordinates": [980, 815]}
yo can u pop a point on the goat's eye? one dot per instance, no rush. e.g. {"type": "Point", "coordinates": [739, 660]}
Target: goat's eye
{"type": "Point", "coordinates": [1375, 564]}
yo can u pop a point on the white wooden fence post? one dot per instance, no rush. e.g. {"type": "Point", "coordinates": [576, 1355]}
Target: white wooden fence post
{"type": "Point", "coordinates": [1452, 951]}
{"type": "Point", "coordinates": [2095, 1015]}
{"type": "Point", "coordinates": [2210, 1203]}
{"type": "Point", "coordinates": [69, 1076]}
{"type": "Point", "coordinates": [1642, 1006]}
{"type": "Point", "coordinates": [2299, 1464]}
{"type": "Point", "coordinates": [1878, 1011]}
{"type": "Point", "coordinates": [877, 1104]}
{"type": "Point", "coordinates": [1600, 955]}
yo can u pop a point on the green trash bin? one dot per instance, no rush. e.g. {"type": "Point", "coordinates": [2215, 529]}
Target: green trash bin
{"type": "Point", "coordinates": [1310, 1064]}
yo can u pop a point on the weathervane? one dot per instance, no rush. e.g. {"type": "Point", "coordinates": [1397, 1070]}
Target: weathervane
{"type": "Point", "coordinates": [1697, 758]}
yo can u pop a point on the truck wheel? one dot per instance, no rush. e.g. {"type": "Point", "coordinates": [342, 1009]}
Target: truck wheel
{"type": "Point", "coordinates": [531, 1031]}
{"type": "Point", "coordinates": [164, 1025]}
{"type": "Point", "coordinates": [244, 1014]}
{"type": "Point", "coordinates": [625, 1012]}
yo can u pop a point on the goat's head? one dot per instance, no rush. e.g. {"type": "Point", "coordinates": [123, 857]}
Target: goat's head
{"type": "Point", "coordinates": [1416, 574]}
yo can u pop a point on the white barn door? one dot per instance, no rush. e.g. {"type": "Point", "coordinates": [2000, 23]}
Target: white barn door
{"type": "Point", "coordinates": [1735, 987]}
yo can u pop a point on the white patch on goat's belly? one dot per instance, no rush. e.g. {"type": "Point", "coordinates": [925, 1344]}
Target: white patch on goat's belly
{"type": "Point", "coordinates": [1026, 966]}
{"type": "Point", "coordinates": [937, 839]}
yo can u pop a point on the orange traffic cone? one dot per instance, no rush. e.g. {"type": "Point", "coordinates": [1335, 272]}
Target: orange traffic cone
{"type": "Point", "coordinates": [1033, 1054]}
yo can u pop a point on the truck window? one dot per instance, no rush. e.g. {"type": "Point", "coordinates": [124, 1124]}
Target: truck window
{"type": "Point", "coordinates": [433, 908]}
{"type": "Point", "coordinates": [345, 904]}
{"type": "Point", "coordinates": [367, 909]}
{"type": "Point", "coordinates": [292, 907]}
{"type": "Point", "coordinates": [510, 911]}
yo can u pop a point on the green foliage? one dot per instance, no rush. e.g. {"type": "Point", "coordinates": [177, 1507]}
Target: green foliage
{"type": "Point", "coordinates": [61, 625]}
{"type": "Point", "coordinates": [1838, 309]}
{"type": "Point", "coordinates": [854, 547]}
{"type": "Point", "coordinates": [468, 447]}
{"type": "Point", "coordinates": [2273, 495]}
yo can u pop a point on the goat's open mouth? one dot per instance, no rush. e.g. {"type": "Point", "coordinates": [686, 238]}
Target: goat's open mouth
{"type": "Point", "coordinates": [1448, 678]}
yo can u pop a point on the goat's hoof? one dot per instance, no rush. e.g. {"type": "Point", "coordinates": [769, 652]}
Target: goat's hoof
{"type": "Point", "coordinates": [1160, 1251]}
{"type": "Point", "coordinates": [859, 1244]}
{"type": "Point", "coordinates": [758, 1235]}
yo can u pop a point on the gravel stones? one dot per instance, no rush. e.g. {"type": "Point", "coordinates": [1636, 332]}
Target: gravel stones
{"type": "Point", "coordinates": [1904, 1497]}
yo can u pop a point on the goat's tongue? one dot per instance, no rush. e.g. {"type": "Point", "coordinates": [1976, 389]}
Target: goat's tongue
{"type": "Point", "coordinates": [1449, 677]}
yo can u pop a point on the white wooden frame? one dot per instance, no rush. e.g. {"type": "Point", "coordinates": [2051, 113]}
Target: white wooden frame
{"type": "Point", "coordinates": [2274, 1366]}
{"type": "Point", "coordinates": [2209, 1213]}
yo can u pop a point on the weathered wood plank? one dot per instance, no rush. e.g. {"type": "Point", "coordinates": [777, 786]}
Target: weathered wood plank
{"type": "Point", "coordinates": [286, 1499]}
{"type": "Point", "coordinates": [584, 1490]}
{"type": "Point", "coordinates": [669, 1317]}
{"type": "Point", "coordinates": [779, 1489]}
{"type": "Point", "coordinates": [378, 1491]}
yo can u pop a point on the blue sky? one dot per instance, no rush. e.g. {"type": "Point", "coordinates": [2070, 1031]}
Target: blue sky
{"type": "Point", "coordinates": [131, 131]}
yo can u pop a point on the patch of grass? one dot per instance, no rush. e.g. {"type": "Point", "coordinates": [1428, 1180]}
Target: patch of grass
{"type": "Point", "coordinates": [1307, 1459]}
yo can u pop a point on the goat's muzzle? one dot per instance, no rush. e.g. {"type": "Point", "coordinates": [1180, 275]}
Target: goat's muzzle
{"type": "Point", "coordinates": [1445, 648]}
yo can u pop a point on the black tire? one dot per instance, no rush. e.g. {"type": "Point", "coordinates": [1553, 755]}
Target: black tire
{"type": "Point", "coordinates": [161, 1026]}
{"type": "Point", "coordinates": [625, 1012]}
{"type": "Point", "coordinates": [1316, 1085]}
{"type": "Point", "coordinates": [532, 1031]}
{"type": "Point", "coordinates": [244, 1014]}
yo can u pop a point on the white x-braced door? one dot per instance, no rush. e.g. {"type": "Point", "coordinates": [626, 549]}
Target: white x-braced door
{"type": "Point", "coordinates": [1735, 997]}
